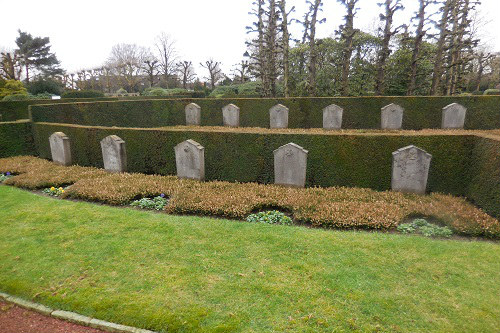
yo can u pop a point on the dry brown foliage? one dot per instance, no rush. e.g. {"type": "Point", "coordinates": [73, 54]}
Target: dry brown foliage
{"type": "Point", "coordinates": [338, 207]}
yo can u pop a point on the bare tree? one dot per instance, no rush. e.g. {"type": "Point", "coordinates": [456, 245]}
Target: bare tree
{"type": "Point", "coordinates": [240, 72]}
{"type": "Point", "coordinates": [461, 46]}
{"type": "Point", "coordinates": [167, 55]}
{"type": "Point", "coordinates": [214, 71]}
{"type": "Point", "coordinates": [10, 66]}
{"type": "Point", "coordinates": [285, 44]}
{"type": "Point", "coordinates": [484, 59]}
{"type": "Point", "coordinates": [265, 50]}
{"type": "Point", "coordinates": [419, 38]}
{"type": "Point", "coordinates": [186, 72]}
{"type": "Point", "coordinates": [347, 35]}
{"type": "Point", "coordinates": [150, 67]}
{"type": "Point", "coordinates": [256, 46]}
{"type": "Point", "coordinates": [271, 49]}
{"type": "Point", "coordinates": [391, 7]}
{"type": "Point", "coordinates": [127, 61]}
{"type": "Point", "coordinates": [440, 47]}
{"type": "Point", "coordinates": [314, 8]}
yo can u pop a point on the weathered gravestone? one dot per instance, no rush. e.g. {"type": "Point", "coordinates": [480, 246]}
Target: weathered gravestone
{"type": "Point", "coordinates": [60, 148]}
{"type": "Point", "coordinates": [392, 117]}
{"type": "Point", "coordinates": [193, 114]}
{"type": "Point", "coordinates": [231, 115]}
{"type": "Point", "coordinates": [453, 116]}
{"type": "Point", "coordinates": [332, 117]}
{"type": "Point", "coordinates": [114, 154]}
{"type": "Point", "coordinates": [410, 170]}
{"type": "Point", "coordinates": [290, 164]}
{"type": "Point", "coordinates": [278, 116]}
{"type": "Point", "coordinates": [190, 160]}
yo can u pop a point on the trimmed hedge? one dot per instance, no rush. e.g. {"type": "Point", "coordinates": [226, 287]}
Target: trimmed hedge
{"type": "Point", "coordinates": [484, 189]}
{"type": "Point", "coordinates": [16, 139]}
{"type": "Point", "coordinates": [246, 156]}
{"type": "Point", "coordinates": [16, 110]}
{"type": "Point", "coordinates": [359, 112]}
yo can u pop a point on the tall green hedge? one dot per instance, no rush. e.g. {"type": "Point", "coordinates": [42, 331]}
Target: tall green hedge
{"type": "Point", "coordinates": [16, 139]}
{"type": "Point", "coordinates": [343, 160]}
{"type": "Point", "coordinates": [16, 110]}
{"type": "Point", "coordinates": [484, 188]}
{"type": "Point", "coordinates": [359, 112]}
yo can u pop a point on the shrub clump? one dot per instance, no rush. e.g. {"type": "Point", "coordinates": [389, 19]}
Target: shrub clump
{"type": "Point", "coordinates": [489, 92]}
{"type": "Point", "coordinates": [270, 217]}
{"type": "Point", "coordinates": [82, 94]}
{"type": "Point", "coordinates": [422, 227]}
{"type": "Point", "coordinates": [156, 203]}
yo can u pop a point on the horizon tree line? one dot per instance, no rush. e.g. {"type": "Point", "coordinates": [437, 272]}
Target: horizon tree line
{"type": "Point", "coordinates": [438, 53]}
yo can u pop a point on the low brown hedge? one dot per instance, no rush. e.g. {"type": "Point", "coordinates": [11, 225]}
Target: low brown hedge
{"type": "Point", "coordinates": [338, 207]}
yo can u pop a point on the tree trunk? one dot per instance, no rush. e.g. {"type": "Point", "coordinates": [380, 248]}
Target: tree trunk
{"type": "Point", "coordinates": [385, 49]}
{"type": "Point", "coordinates": [271, 50]}
{"type": "Point", "coordinates": [416, 47]}
{"type": "Point", "coordinates": [443, 34]}
{"type": "Point", "coordinates": [285, 47]}
{"type": "Point", "coordinates": [451, 50]}
{"type": "Point", "coordinates": [313, 56]}
{"type": "Point", "coordinates": [348, 36]}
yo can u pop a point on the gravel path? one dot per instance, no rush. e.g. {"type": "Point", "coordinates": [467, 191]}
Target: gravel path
{"type": "Point", "coordinates": [14, 319]}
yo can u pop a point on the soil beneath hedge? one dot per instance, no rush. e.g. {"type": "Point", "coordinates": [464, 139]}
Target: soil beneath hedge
{"type": "Point", "coordinates": [14, 319]}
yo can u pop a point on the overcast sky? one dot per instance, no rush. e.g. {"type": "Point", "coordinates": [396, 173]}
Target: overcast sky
{"type": "Point", "coordinates": [83, 32]}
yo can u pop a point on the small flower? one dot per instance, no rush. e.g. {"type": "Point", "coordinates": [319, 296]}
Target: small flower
{"type": "Point", "coordinates": [7, 174]}
{"type": "Point", "coordinates": [52, 188]}
{"type": "Point", "coordinates": [162, 195]}
{"type": "Point", "coordinates": [60, 188]}
{"type": "Point", "coordinates": [62, 191]}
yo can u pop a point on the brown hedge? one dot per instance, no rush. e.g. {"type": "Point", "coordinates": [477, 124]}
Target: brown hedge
{"type": "Point", "coordinates": [337, 207]}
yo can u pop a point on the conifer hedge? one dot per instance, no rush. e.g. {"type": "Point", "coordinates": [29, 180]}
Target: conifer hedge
{"type": "Point", "coordinates": [483, 112]}
{"type": "Point", "coordinates": [17, 110]}
{"type": "Point", "coordinates": [484, 184]}
{"type": "Point", "coordinates": [333, 160]}
{"type": "Point", "coordinates": [16, 139]}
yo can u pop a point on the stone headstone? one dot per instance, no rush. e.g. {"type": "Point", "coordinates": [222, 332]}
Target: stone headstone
{"type": "Point", "coordinates": [114, 154]}
{"type": "Point", "coordinates": [278, 116]}
{"type": "Point", "coordinates": [290, 164]}
{"type": "Point", "coordinates": [392, 117]}
{"type": "Point", "coordinates": [231, 115]}
{"type": "Point", "coordinates": [190, 160]}
{"type": "Point", "coordinates": [193, 114]}
{"type": "Point", "coordinates": [60, 148]}
{"type": "Point", "coordinates": [453, 116]}
{"type": "Point", "coordinates": [410, 170]}
{"type": "Point", "coordinates": [332, 117]}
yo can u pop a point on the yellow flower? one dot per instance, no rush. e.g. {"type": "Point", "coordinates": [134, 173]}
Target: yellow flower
{"type": "Point", "coordinates": [60, 189]}
{"type": "Point", "coordinates": [52, 188]}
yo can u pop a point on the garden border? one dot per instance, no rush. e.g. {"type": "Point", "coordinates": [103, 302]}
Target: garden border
{"type": "Point", "coordinates": [72, 317]}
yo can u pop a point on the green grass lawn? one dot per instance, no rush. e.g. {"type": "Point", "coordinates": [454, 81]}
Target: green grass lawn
{"type": "Point", "coordinates": [191, 274]}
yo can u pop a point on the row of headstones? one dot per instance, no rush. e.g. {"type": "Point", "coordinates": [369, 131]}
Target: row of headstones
{"type": "Point", "coordinates": [453, 116]}
{"type": "Point", "coordinates": [410, 166]}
